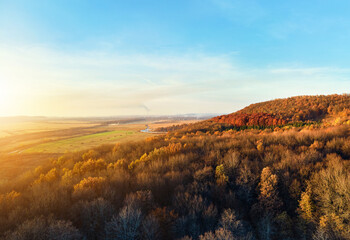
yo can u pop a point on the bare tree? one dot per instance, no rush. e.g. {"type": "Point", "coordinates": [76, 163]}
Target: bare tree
{"type": "Point", "coordinates": [42, 229]}
{"type": "Point", "coordinates": [150, 228]}
{"type": "Point", "coordinates": [125, 226]}
{"type": "Point", "coordinates": [220, 234]}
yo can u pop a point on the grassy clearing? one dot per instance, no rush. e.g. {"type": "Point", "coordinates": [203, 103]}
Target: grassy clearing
{"type": "Point", "coordinates": [84, 142]}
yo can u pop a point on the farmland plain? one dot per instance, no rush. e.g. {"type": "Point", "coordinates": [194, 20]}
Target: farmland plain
{"type": "Point", "coordinates": [27, 143]}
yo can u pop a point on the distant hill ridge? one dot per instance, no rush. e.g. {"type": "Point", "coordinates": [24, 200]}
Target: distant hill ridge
{"type": "Point", "coordinates": [289, 110]}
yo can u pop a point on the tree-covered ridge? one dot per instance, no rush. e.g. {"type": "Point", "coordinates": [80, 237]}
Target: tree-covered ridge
{"type": "Point", "coordinates": [250, 119]}
{"type": "Point", "coordinates": [289, 110]}
{"type": "Point", "coordinates": [302, 108]}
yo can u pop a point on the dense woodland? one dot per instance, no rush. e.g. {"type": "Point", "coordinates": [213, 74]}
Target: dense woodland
{"type": "Point", "coordinates": [203, 181]}
{"type": "Point", "coordinates": [289, 110]}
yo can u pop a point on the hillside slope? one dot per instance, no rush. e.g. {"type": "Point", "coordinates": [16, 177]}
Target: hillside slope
{"type": "Point", "coordinates": [289, 110]}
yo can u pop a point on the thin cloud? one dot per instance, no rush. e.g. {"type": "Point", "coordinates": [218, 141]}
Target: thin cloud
{"type": "Point", "coordinates": [47, 82]}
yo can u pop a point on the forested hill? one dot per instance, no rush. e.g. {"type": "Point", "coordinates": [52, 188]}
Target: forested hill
{"type": "Point", "coordinates": [204, 181]}
{"type": "Point", "coordinates": [289, 110]}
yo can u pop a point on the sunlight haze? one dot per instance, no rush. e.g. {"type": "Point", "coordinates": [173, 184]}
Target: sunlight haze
{"type": "Point", "coordinates": [85, 58]}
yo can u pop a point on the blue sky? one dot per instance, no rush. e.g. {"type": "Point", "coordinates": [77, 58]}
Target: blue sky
{"type": "Point", "coordinates": [88, 58]}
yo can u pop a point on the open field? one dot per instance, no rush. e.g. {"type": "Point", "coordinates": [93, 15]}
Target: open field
{"type": "Point", "coordinates": [13, 128]}
{"type": "Point", "coordinates": [29, 143]}
{"type": "Point", "coordinates": [84, 142]}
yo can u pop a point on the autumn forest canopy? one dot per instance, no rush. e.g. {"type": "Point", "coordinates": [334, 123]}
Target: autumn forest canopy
{"type": "Point", "coordinates": [273, 170]}
{"type": "Point", "coordinates": [290, 110]}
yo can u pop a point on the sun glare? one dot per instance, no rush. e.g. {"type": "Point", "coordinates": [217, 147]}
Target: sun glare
{"type": "Point", "coordinates": [6, 99]}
